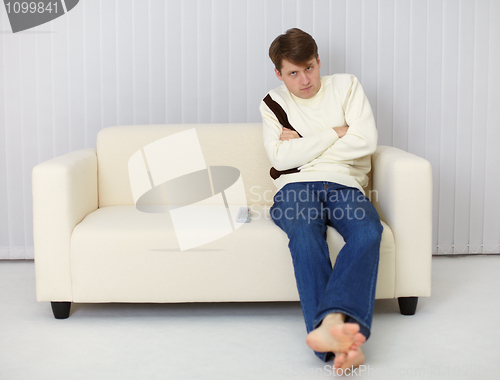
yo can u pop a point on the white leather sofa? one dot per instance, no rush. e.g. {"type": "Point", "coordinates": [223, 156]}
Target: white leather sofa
{"type": "Point", "coordinates": [92, 243]}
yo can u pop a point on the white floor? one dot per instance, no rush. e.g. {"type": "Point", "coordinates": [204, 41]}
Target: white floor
{"type": "Point", "coordinates": [454, 334]}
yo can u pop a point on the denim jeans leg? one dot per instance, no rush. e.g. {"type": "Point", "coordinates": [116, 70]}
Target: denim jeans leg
{"type": "Point", "coordinates": [351, 286]}
{"type": "Point", "coordinates": [298, 211]}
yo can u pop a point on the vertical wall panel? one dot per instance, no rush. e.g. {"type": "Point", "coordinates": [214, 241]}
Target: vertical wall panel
{"type": "Point", "coordinates": [305, 15]}
{"type": "Point", "coordinates": [337, 40]}
{"type": "Point", "coordinates": [418, 71]}
{"type": "Point", "coordinates": [76, 71]}
{"type": "Point", "coordinates": [108, 65]}
{"type": "Point", "coordinates": [321, 34]}
{"type": "Point", "coordinates": [204, 61]}
{"type": "Point", "coordinates": [4, 206]}
{"type": "Point", "coordinates": [385, 71]}
{"type": "Point", "coordinates": [492, 183]}
{"type": "Point", "coordinates": [60, 87]}
{"type": "Point", "coordinates": [480, 122]}
{"type": "Point", "coordinates": [433, 97]}
{"type": "Point", "coordinates": [369, 47]}
{"type": "Point", "coordinates": [289, 15]}
{"type": "Point", "coordinates": [189, 61]}
{"type": "Point", "coordinates": [141, 59]}
{"type": "Point", "coordinates": [220, 61]}
{"type": "Point", "coordinates": [44, 96]}
{"type": "Point", "coordinates": [448, 125]}
{"type": "Point", "coordinates": [125, 61]}
{"type": "Point", "coordinates": [464, 125]}
{"type": "Point", "coordinates": [273, 27]}
{"type": "Point", "coordinates": [173, 63]}
{"type": "Point", "coordinates": [258, 59]}
{"type": "Point", "coordinates": [238, 61]}
{"type": "Point", "coordinates": [157, 59]}
{"type": "Point", "coordinates": [29, 148]}
{"type": "Point", "coordinates": [429, 69]}
{"type": "Point", "coordinates": [13, 143]}
{"type": "Point", "coordinates": [92, 71]}
{"type": "Point", "coordinates": [401, 74]}
{"type": "Point", "coordinates": [353, 52]}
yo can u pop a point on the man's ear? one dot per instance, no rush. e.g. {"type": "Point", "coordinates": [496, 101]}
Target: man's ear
{"type": "Point", "coordinates": [319, 62]}
{"type": "Point", "coordinates": [278, 75]}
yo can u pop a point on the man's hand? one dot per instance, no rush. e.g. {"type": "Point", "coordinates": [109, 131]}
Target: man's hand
{"type": "Point", "coordinates": [288, 134]}
{"type": "Point", "coordinates": [341, 131]}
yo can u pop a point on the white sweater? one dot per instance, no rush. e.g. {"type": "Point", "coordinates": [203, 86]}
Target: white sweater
{"type": "Point", "coordinates": [320, 154]}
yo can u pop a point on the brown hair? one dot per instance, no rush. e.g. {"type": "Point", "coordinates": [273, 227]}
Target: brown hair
{"type": "Point", "coordinates": [295, 46]}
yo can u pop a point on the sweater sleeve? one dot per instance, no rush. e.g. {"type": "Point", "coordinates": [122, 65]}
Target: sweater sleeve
{"type": "Point", "coordinates": [361, 137]}
{"type": "Point", "coordinates": [292, 153]}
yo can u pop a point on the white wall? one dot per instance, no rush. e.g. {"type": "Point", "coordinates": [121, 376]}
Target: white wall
{"type": "Point", "coordinates": [430, 69]}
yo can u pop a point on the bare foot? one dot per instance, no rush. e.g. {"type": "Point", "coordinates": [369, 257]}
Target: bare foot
{"type": "Point", "coordinates": [333, 335]}
{"type": "Point", "coordinates": [353, 359]}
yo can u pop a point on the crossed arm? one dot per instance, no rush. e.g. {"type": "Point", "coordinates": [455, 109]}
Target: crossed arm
{"type": "Point", "coordinates": [289, 134]}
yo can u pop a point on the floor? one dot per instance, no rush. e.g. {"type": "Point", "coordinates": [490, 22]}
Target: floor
{"type": "Point", "coordinates": [453, 335]}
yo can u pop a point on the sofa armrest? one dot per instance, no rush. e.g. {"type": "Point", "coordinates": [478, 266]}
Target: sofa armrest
{"type": "Point", "coordinates": [64, 192]}
{"type": "Point", "coordinates": [403, 198]}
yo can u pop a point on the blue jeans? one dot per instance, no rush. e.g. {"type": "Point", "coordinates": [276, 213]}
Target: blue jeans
{"type": "Point", "coordinates": [304, 210]}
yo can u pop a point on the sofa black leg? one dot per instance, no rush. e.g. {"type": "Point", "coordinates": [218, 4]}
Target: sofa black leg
{"type": "Point", "coordinates": [408, 305]}
{"type": "Point", "coordinates": [61, 309]}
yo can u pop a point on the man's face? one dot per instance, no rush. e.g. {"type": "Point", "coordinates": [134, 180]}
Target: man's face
{"type": "Point", "coordinates": [302, 81]}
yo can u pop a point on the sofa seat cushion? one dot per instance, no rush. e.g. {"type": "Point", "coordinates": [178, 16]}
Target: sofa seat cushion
{"type": "Point", "coordinates": [120, 254]}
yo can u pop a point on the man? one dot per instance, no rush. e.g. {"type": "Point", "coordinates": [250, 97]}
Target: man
{"type": "Point", "coordinates": [324, 143]}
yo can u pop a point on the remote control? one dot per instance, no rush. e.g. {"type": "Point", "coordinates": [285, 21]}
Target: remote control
{"type": "Point", "coordinates": [243, 215]}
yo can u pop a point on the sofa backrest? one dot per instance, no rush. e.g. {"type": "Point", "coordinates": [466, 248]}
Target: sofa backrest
{"type": "Point", "coordinates": [231, 145]}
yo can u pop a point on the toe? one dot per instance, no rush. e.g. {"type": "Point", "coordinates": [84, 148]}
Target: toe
{"type": "Point", "coordinates": [359, 339]}
{"type": "Point", "coordinates": [339, 360]}
{"type": "Point", "coordinates": [350, 328]}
